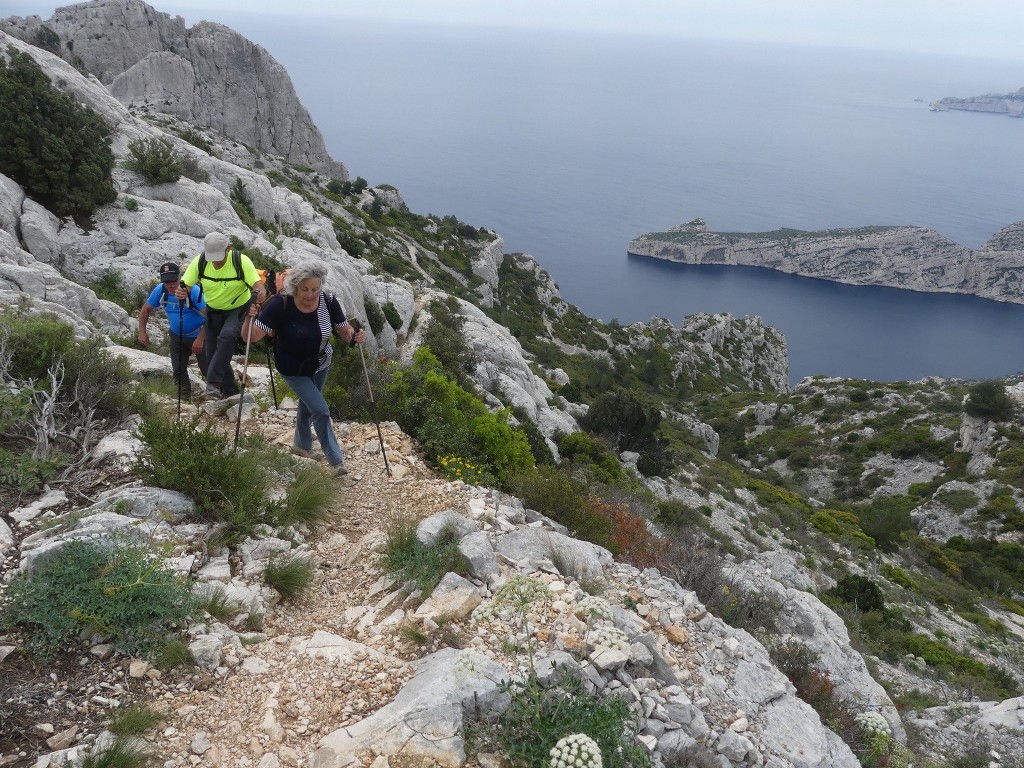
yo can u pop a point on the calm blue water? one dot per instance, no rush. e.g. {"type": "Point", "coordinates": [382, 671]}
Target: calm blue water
{"type": "Point", "coordinates": [570, 146]}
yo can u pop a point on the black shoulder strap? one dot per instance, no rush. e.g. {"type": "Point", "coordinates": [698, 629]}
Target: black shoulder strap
{"type": "Point", "coordinates": [236, 261]}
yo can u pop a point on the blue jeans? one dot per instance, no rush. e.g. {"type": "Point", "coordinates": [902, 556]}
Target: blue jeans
{"type": "Point", "coordinates": [313, 411]}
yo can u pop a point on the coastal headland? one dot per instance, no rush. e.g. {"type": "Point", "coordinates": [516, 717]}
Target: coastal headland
{"type": "Point", "coordinates": [909, 257]}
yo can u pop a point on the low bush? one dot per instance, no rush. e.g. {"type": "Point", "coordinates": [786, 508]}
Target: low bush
{"type": "Point", "coordinates": [988, 400]}
{"type": "Point", "coordinates": [155, 160]}
{"type": "Point", "coordinates": [841, 526]}
{"type": "Point", "coordinates": [291, 576]}
{"type": "Point", "coordinates": [374, 315]}
{"type": "Point", "coordinates": [590, 454]}
{"type": "Point", "coordinates": [958, 501]}
{"type": "Point", "coordinates": [537, 718]}
{"type": "Point", "coordinates": [195, 459]}
{"type": "Point", "coordinates": [409, 559]}
{"type": "Point", "coordinates": [554, 492]}
{"type": "Point", "coordinates": [124, 752]}
{"type": "Point", "coordinates": [117, 589]}
{"type": "Point", "coordinates": [677, 514]}
{"type": "Point", "coordinates": [886, 518]}
{"type": "Point", "coordinates": [310, 498]}
{"type": "Point", "coordinates": [391, 315]}
{"type": "Point", "coordinates": [134, 720]}
{"type": "Point", "coordinates": [60, 395]}
{"type": "Point", "coordinates": [860, 592]}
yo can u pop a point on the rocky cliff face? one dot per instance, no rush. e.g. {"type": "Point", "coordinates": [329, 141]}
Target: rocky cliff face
{"type": "Point", "coordinates": [208, 75]}
{"type": "Point", "coordinates": [1011, 104]}
{"type": "Point", "coordinates": [912, 258]}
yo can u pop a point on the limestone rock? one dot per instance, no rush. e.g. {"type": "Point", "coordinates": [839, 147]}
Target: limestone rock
{"type": "Point", "coordinates": [207, 74]}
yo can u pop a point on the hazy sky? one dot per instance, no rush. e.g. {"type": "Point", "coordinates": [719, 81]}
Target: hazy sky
{"type": "Point", "coordinates": [986, 28]}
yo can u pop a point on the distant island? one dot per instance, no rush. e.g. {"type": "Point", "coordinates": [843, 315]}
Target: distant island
{"type": "Point", "coordinates": [1011, 104]}
{"type": "Point", "coordinates": [908, 257]}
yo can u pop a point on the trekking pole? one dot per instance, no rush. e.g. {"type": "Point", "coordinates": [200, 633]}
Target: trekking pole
{"type": "Point", "coordinates": [241, 391]}
{"type": "Point", "coordinates": [373, 405]}
{"type": "Point", "coordinates": [270, 367]}
{"type": "Point", "coordinates": [182, 371]}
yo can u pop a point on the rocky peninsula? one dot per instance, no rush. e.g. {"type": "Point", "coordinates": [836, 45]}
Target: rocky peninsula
{"type": "Point", "coordinates": [909, 257]}
{"type": "Point", "coordinates": [1011, 104]}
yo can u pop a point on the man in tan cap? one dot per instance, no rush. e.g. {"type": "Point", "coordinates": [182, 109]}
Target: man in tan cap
{"type": "Point", "coordinates": [229, 282]}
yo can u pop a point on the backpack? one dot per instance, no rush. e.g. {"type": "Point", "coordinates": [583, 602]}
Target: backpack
{"type": "Point", "coordinates": [236, 260]}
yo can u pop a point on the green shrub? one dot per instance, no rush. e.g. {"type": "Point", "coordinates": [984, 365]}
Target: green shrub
{"type": "Point", "coordinates": [217, 603]}
{"type": "Point", "coordinates": [58, 150]}
{"type": "Point", "coordinates": [291, 576]}
{"type": "Point", "coordinates": [897, 575]}
{"type": "Point", "coordinates": [123, 753]}
{"type": "Point", "coordinates": [443, 335]}
{"type": "Point", "coordinates": [191, 169]}
{"type": "Point", "coordinates": [585, 451]}
{"type": "Point", "coordinates": [988, 400]}
{"type": "Point", "coordinates": [134, 720]}
{"type": "Point", "coordinates": [113, 588]}
{"type": "Point", "coordinates": [155, 159]}
{"type": "Point", "coordinates": [110, 287]}
{"type": "Point", "coordinates": [409, 559]}
{"type": "Point", "coordinates": [958, 501]}
{"type": "Point", "coordinates": [536, 718]}
{"type": "Point", "coordinates": [554, 492]}
{"type": "Point", "coordinates": [196, 139]}
{"type": "Point", "coordinates": [886, 518]}
{"type": "Point", "coordinates": [84, 391]}
{"type": "Point", "coordinates": [391, 314]}
{"type": "Point", "coordinates": [310, 498]}
{"type": "Point", "coordinates": [374, 316]}
{"type": "Point", "coordinates": [47, 39]}
{"type": "Point", "coordinates": [450, 421]}
{"type": "Point", "coordinates": [860, 592]}
{"type": "Point", "coordinates": [841, 526]}
{"type": "Point", "coordinates": [678, 514]}
{"type": "Point", "coordinates": [35, 342]}
{"type": "Point", "coordinates": [242, 203]}
{"type": "Point", "coordinates": [195, 459]}
{"type": "Point", "coordinates": [131, 204]}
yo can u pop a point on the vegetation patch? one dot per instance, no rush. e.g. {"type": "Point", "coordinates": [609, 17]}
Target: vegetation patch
{"type": "Point", "coordinates": [114, 589]}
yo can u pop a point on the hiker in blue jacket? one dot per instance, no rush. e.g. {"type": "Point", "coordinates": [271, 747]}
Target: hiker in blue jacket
{"type": "Point", "coordinates": [185, 320]}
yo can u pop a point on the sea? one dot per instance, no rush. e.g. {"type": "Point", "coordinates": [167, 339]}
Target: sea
{"type": "Point", "coordinates": [569, 145]}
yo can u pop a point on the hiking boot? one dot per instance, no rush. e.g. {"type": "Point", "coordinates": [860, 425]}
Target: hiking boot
{"type": "Point", "coordinates": [212, 393]}
{"type": "Point", "coordinates": [338, 470]}
{"type": "Point", "coordinates": [305, 453]}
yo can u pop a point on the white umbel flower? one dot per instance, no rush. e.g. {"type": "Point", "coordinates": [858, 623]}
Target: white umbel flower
{"type": "Point", "coordinates": [576, 750]}
{"type": "Point", "coordinates": [873, 722]}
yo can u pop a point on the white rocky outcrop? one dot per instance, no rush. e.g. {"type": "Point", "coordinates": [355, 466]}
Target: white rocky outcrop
{"type": "Point", "coordinates": [501, 367]}
{"type": "Point", "coordinates": [207, 74]}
